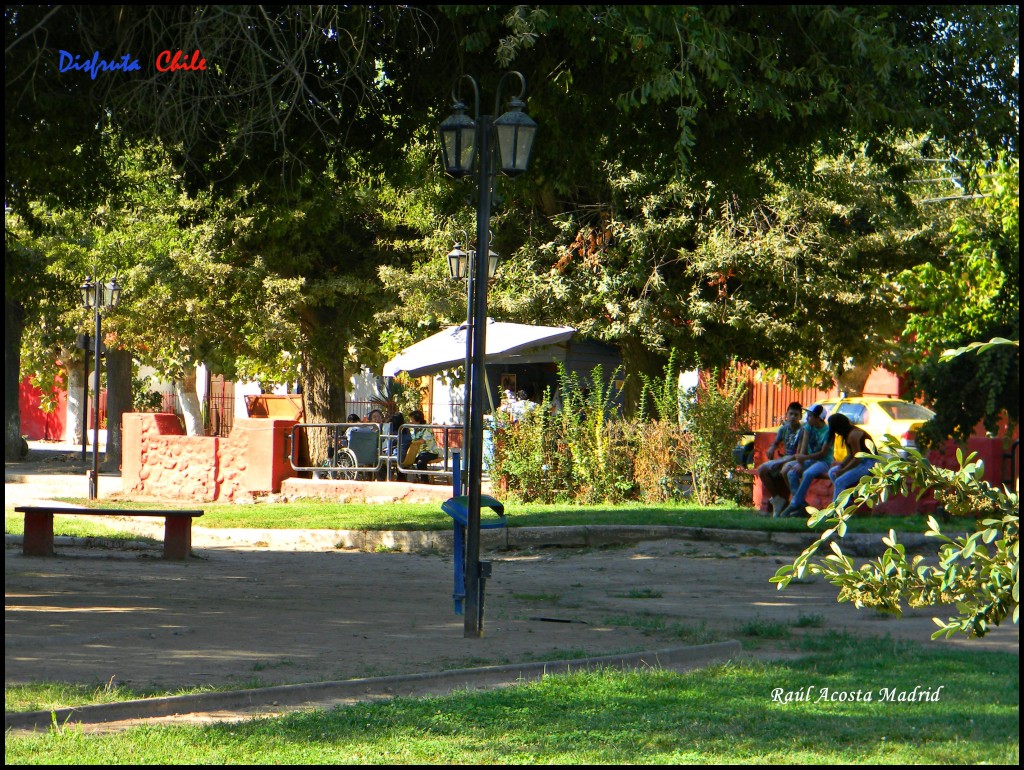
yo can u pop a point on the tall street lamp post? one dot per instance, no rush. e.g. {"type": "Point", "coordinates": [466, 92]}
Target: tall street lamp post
{"type": "Point", "coordinates": [97, 297]}
{"type": "Point", "coordinates": [464, 140]}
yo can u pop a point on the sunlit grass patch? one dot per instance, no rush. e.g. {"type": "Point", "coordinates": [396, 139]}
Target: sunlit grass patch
{"type": "Point", "coordinates": [321, 514]}
{"type": "Point", "coordinates": [67, 526]}
{"type": "Point", "coordinates": [732, 713]}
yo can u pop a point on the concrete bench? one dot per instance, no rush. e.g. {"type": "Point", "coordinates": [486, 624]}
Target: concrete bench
{"type": "Point", "coordinates": [38, 539]}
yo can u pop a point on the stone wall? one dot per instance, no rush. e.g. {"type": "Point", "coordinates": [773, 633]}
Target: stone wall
{"type": "Point", "coordinates": [158, 460]}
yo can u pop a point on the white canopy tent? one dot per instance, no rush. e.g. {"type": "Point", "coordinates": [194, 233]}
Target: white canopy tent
{"type": "Point", "coordinates": [507, 343]}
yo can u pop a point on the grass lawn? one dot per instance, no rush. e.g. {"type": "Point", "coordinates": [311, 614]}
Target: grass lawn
{"type": "Point", "coordinates": [734, 713]}
{"type": "Point", "coordinates": [428, 516]}
{"type": "Point", "coordinates": [14, 524]}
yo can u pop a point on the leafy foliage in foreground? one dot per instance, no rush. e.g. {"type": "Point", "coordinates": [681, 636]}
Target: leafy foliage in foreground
{"type": "Point", "coordinates": [979, 571]}
{"type": "Point", "coordinates": [726, 714]}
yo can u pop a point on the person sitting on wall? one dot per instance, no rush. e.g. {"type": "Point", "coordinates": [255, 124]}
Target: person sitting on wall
{"type": "Point", "coordinates": [848, 472]}
{"type": "Point", "coordinates": [811, 461]}
{"type": "Point", "coordinates": [787, 440]}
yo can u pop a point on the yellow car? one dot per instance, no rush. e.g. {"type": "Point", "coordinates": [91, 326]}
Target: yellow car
{"type": "Point", "coordinates": [879, 415]}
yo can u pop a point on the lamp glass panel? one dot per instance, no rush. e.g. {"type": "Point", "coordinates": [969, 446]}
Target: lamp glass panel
{"type": "Point", "coordinates": [524, 143]}
{"type": "Point", "coordinates": [457, 261]}
{"type": "Point", "coordinates": [114, 294]}
{"type": "Point", "coordinates": [458, 143]}
{"type": "Point", "coordinates": [89, 291]}
{"type": "Point", "coordinates": [515, 141]}
{"type": "Point", "coordinates": [468, 147]}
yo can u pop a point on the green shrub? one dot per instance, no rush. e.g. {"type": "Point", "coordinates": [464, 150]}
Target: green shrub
{"type": "Point", "coordinates": [658, 467]}
{"type": "Point", "coordinates": [527, 456]}
{"type": "Point", "coordinates": [587, 453]}
{"type": "Point", "coordinates": [711, 425]}
{"type": "Point", "coordinates": [597, 448]}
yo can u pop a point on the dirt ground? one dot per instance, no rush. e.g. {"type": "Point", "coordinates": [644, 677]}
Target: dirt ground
{"type": "Point", "coordinates": [246, 612]}
{"type": "Point", "coordinates": [243, 614]}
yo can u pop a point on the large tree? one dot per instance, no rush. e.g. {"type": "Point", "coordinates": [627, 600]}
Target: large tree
{"type": "Point", "coordinates": [699, 112]}
{"type": "Point", "coordinates": [288, 96]}
{"type": "Point", "coordinates": [968, 291]}
{"type": "Point", "coordinates": [729, 181]}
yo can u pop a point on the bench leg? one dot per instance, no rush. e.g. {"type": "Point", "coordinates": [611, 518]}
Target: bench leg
{"type": "Point", "coordinates": [177, 537]}
{"type": "Point", "coordinates": [38, 539]}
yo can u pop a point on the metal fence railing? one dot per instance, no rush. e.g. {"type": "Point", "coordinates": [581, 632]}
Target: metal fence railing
{"type": "Point", "coordinates": [348, 450]}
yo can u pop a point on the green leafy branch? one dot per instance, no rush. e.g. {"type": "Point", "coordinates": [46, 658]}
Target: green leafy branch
{"type": "Point", "coordinates": [978, 571]}
{"type": "Point", "coordinates": [979, 347]}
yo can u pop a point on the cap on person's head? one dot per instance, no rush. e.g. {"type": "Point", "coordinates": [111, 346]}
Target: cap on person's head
{"type": "Point", "coordinates": [817, 410]}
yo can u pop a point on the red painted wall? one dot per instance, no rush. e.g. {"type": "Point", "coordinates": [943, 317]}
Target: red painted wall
{"type": "Point", "coordinates": [37, 425]}
{"type": "Point", "coordinates": [990, 450]}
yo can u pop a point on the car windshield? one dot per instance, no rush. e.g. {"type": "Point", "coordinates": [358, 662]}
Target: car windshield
{"type": "Point", "coordinates": [903, 410]}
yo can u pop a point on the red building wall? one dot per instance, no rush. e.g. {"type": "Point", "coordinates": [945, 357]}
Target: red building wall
{"type": "Point", "coordinates": [765, 401]}
{"type": "Point", "coordinates": [37, 425]}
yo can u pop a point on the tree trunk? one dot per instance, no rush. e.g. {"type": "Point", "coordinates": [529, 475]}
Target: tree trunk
{"type": "Point", "coordinates": [316, 395]}
{"type": "Point", "coordinates": [637, 360]}
{"type": "Point", "coordinates": [119, 401]}
{"type": "Point", "coordinates": [853, 380]}
{"type": "Point", "coordinates": [14, 446]}
{"type": "Point", "coordinates": [75, 415]}
{"type": "Point", "coordinates": [188, 400]}
{"type": "Point", "coordinates": [323, 382]}
{"type": "Point", "coordinates": [337, 410]}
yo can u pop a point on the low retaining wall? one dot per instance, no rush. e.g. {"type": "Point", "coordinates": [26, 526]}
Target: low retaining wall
{"type": "Point", "coordinates": [819, 494]}
{"type": "Point", "coordinates": [158, 460]}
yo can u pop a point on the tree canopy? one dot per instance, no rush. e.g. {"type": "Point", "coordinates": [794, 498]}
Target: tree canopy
{"type": "Point", "coordinates": [968, 291]}
{"type": "Point", "coordinates": [694, 167]}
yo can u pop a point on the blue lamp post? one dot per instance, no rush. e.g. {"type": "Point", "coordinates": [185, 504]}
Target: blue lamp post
{"type": "Point", "coordinates": [483, 145]}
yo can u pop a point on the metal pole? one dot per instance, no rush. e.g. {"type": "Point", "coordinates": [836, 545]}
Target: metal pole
{"type": "Point", "coordinates": [464, 478]}
{"type": "Point", "coordinates": [473, 626]}
{"type": "Point", "coordinates": [85, 400]}
{"type": "Point", "coordinates": [94, 491]}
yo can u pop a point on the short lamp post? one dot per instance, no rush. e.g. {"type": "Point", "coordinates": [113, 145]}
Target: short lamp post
{"type": "Point", "coordinates": [468, 146]}
{"type": "Point", "coordinates": [97, 297]}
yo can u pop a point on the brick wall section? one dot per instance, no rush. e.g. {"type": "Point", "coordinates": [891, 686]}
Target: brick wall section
{"type": "Point", "coordinates": [159, 461]}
